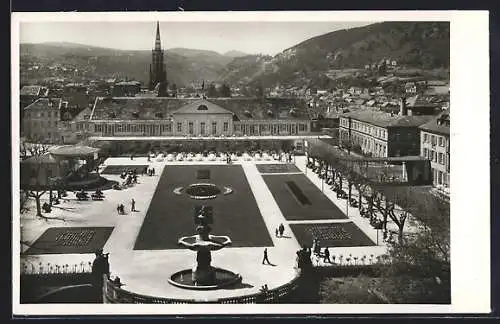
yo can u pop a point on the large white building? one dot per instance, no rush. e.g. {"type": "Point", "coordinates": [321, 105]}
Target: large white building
{"type": "Point", "coordinates": [135, 116]}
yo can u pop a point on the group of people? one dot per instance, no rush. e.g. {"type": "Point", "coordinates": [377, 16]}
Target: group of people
{"type": "Point", "coordinates": [317, 251]}
{"type": "Point", "coordinates": [129, 176]}
{"type": "Point", "coordinates": [150, 172]}
{"type": "Point", "coordinates": [121, 208]}
{"type": "Point", "coordinates": [280, 230]}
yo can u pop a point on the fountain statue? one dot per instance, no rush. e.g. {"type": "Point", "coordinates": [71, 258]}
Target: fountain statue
{"type": "Point", "coordinates": [203, 274]}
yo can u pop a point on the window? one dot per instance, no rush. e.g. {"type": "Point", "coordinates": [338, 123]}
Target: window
{"type": "Point", "coordinates": [49, 114]}
{"type": "Point", "coordinates": [440, 177]}
{"type": "Point", "coordinates": [433, 140]}
{"type": "Point", "coordinates": [202, 128]}
{"type": "Point", "coordinates": [214, 128]}
{"type": "Point", "coordinates": [426, 153]}
{"type": "Point", "coordinates": [426, 137]}
{"type": "Point", "coordinates": [302, 127]}
{"type": "Point", "coordinates": [179, 127]}
{"type": "Point", "coordinates": [441, 158]}
{"type": "Point", "coordinates": [226, 126]}
{"type": "Point", "coordinates": [441, 141]}
{"type": "Point", "coordinates": [191, 128]}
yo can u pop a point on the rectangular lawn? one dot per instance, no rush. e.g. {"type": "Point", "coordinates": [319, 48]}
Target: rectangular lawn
{"type": "Point", "coordinates": [67, 240]}
{"type": "Point", "coordinates": [331, 235]}
{"type": "Point", "coordinates": [299, 199]}
{"type": "Point", "coordinates": [118, 169]}
{"type": "Point", "coordinates": [171, 216]}
{"type": "Point", "coordinates": [277, 168]}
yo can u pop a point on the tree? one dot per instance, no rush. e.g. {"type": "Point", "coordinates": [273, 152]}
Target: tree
{"type": "Point", "coordinates": [212, 91]}
{"type": "Point", "coordinates": [225, 91]}
{"type": "Point", "coordinates": [31, 181]}
{"type": "Point", "coordinates": [418, 271]}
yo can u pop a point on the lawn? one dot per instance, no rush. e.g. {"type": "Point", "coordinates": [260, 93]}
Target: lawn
{"type": "Point", "coordinates": [277, 168]}
{"type": "Point", "coordinates": [291, 201]}
{"type": "Point", "coordinates": [171, 216]}
{"type": "Point", "coordinates": [331, 235]}
{"type": "Point", "coordinates": [67, 240]}
{"type": "Point", "coordinates": [118, 169]}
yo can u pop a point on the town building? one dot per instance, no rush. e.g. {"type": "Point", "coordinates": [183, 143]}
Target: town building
{"type": "Point", "coordinates": [30, 93]}
{"type": "Point", "coordinates": [136, 116]}
{"type": "Point", "coordinates": [435, 146]}
{"type": "Point", "coordinates": [42, 120]}
{"type": "Point", "coordinates": [380, 134]}
{"type": "Point", "coordinates": [157, 68]}
{"type": "Point", "coordinates": [126, 89]}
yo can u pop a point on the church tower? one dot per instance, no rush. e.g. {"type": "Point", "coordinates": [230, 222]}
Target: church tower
{"type": "Point", "coordinates": [157, 69]}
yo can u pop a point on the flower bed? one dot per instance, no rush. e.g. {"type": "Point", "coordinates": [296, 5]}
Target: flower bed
{"type": "Point", "coordinates": [203, 191]}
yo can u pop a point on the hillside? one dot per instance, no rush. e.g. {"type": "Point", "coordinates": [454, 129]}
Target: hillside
{"type": "Point", "coordinates": [424, 45]}
{"type": "Point", "coordinates": [98, 61]}
{"type": "Point", "coordinates": [234, 53]}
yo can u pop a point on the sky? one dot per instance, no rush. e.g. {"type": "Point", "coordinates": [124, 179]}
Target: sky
{"type": "Point", "coordinates": [249, 37]}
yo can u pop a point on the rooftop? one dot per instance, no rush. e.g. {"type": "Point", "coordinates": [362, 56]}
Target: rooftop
{"type": "Point", "coordinates": [420, 101]}
{"type": "Point", "coordinates": [45, 103]}
{"type": "Point", "coordinates": [71, 150]}
{"type": "Point", "coordinates": [383, 119]}
{"type": "Point", "coordinates": [32, 90]}
{"type": "Point", "coordinates": [151, 108]}
{"type": "Point", "coordinates": [439, 124]}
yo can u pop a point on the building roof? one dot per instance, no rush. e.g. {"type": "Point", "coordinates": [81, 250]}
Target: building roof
{"type": "Point", "coordinates": [151, 108]}
{"type": "Point", "coordinates": [32, 90]}
{"type": "Point", "coordinates": [128, 83]}
{"type": "Point", "coordinates": [423, 101]}
{"type": "Point", "coordinates": [45, 103]}
{"type": "Point", "coordinates": [439, 124]}
{"type": "Point", "coordinates": [383, 119]}
{"type": "Point", "coordinates": [72, 150]}
{"type": "Point", "coordinates": [201, 107]}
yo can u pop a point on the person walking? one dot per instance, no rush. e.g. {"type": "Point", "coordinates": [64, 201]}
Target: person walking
{"type": "Point", "coordinates": [133, 205]}
{"type": "Point", "coordinates": [326, 256]}
{"type": "Point", "coordinates": [281, 229]}
{"type": "Point", "coordinates": [118, 209]}
{"type": "Point", "coordinates": [265, 259]}
{"type": "Point", "coordinates": [276, 232]}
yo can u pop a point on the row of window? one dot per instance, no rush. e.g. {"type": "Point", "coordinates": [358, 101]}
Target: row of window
{"type": "Point", "coordinates": [434, 139]}
{"type": "Point", "coordinates": [42, 114]}
{"type": "Point", "coordinates": [225, 128]}
{"type": "Point", "coordinates": [365, 128]}
{"type": "Point", "coordinates": [370, 145]}
{"type": "Point", "coordinates": [203, 129]}
{"type": "Point", "coordinates": [43, 123]}
{"type": "Point", "coordinates": [440, 177]}
{"type": "Point", "coordinates": [434, 156]}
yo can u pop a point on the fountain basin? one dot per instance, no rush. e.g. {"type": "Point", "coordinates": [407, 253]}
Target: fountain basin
{"type": "Point", "coordinates": [223, 278]}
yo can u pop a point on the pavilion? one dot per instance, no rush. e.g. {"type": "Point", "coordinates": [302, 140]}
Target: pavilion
{"type": "Point", "coordinates": [78, 165]}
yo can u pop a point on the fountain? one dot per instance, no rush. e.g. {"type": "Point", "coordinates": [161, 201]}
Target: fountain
{"type": "Point", "coordinates": [203, 275]}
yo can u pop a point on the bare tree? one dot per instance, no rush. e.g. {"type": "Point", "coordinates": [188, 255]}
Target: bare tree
{"type": "Point", "coordinates": [31, 182]}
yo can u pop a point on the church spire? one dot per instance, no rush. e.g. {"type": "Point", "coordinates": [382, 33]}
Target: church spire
{"type": "Point", "coordinates": [158, 40]}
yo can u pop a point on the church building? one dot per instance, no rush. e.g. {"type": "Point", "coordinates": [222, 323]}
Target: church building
{"type": "Point", "coordinates": [157, 69]}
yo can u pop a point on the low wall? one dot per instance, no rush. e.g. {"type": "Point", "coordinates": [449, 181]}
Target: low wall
{"type": "Point", "coordinates": [115, 295]}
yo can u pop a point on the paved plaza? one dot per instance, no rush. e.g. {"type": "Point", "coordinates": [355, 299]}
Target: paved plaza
{"type": "Point", "coordinates": [142, 244]}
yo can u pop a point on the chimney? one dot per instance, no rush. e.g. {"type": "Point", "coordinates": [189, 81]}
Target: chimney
{"type": "Point", "coordinates": [403, 110]}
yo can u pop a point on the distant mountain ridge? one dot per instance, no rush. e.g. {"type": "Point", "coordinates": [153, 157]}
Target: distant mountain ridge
{"type": "Point", "coordinates": [414, 44]}
{"type": "Point", "coordinates": [184, 65]}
